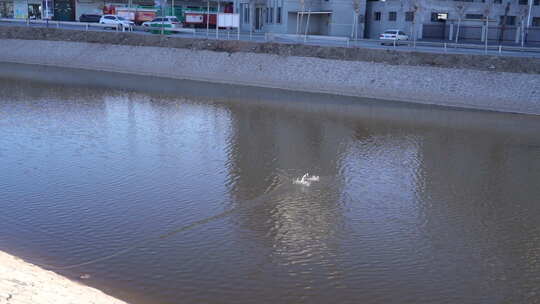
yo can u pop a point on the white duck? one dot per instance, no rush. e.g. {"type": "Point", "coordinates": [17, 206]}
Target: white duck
{"type": "Point", "coordinates": [306, 180]}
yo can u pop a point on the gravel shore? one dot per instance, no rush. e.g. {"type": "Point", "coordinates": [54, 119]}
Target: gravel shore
{"type": "Point", "coordinates": [24, 283]}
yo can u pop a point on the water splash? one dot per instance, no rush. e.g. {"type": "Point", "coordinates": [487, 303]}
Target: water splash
{"type": "Point", "coordinates": [306, 180]}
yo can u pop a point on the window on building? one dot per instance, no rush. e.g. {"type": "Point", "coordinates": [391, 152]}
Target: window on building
{"type": "Point", "coordinates": [510, 20]}
{"type": "Point", "coordinates": [523, 2]}
{"type": "Point", "coordinates": [536, 2]}
{"type": "Point", "coordinates": [497, 1]}
{"type": "Point", "coordinates": [278, 15]}
{"type": "Point", "coordinates": [474, 16]}
{"type": "Point", "coordinates": [6, 9]}
{"type": "Point", "coordinates": [377, 16]}
{"type": "Point", "coordinates": [536, 21]}
{"type": "Point", "coordinates": [245, 12]}
{"type": "Point", "coordinates": [392, 16]}
{"type": "Point", "coordinates": [271, 15]}
{"type": "Point", "coordinates": [439, 17]}
{"type": "Point", "coordinates": [409, 16]}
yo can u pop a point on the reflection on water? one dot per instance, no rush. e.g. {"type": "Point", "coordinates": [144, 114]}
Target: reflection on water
{"type": "Point", "coordinates": [414, 204]}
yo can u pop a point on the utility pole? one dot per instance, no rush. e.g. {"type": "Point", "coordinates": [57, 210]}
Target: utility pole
{"type": "Point", "coordinates": [503, 26]}
{"type": "Point", "coordinates": [217, 13]}
{"type": "Point", "coordinates": [528, 20]}
{"type": "Point", "coordinates": [163, 17]}
{"type": "Point", "coordinates": [47, 12]}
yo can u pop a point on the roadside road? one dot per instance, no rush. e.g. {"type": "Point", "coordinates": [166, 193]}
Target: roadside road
{"type": "Point", "coordinates": [421, 46]}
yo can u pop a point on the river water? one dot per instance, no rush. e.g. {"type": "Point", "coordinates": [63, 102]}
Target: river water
{"type": "Point", "coordinates": [166, 191]}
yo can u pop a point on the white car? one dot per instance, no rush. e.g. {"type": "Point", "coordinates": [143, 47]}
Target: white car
{"type": "Point", "coordinates": [168, 21]}
{"type": "Point", "coordinates": [116, 22]}
{"type": "Point", "coordinates": [391, 36]}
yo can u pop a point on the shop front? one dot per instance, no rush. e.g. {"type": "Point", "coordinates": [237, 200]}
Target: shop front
{"type": "Point", "coordinates": [64, 10]}
{"type": "Point", "coordinates": [22, 9]}
{"type": "Point", "coordinates": [6, 9]}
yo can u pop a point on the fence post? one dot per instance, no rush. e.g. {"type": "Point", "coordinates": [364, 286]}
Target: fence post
{"type": "Point", "coordinates": [500, 49]}
{"type": "Point", "coordinates": [445, 47]}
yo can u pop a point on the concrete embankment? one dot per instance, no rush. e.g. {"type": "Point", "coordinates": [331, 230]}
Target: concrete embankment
{"type": "Point", "coordinates": [22, 283]}
{"type": "Point", "coordinates": [508, 84]}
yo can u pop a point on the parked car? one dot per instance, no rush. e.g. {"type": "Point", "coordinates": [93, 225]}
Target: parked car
{"type": "Point", "coordinates": [391, 36]}
{"type": "Point", "coordinates": [90, 18]}
{"type": "Point", "coordinates": [167, 21]}
{"type": "Point", "coordinates": [116, 21]}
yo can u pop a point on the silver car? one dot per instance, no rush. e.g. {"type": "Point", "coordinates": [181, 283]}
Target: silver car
{"type": "Point", "coordinates": [392, 36]}
{"type": "Point", "coordinates": [116, 22]}
{"type": "Point", "coordinates": [168, 21]}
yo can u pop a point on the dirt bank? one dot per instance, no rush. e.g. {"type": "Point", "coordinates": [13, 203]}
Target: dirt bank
{"type": "Point", "coordinates": [457, 61]}
{"type": "Point", "coordinates": [24, 283]}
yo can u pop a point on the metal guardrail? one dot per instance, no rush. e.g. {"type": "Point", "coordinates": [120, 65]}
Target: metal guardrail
{"type": "Point", "coordinates": [90, 25]}
{"type": "Point", "coordinates": [54, 23]}
{"type": "Point", "coordinates": [451, 45]}
{"type": "Point", "coordinates": [288, 38]}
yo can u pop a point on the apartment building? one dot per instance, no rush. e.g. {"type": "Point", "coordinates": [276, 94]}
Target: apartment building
{"type": "Point", "coordinates": [508, 20]}
{"type": "Point", "coordinates": [314, 17]}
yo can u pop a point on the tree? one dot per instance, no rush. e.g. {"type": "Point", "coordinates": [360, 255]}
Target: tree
{"type": "Point", "coordinates": [461, 8]}
{"type": "Point", "coordinates": [356, 4]}
{"type": "Point", "coordinates": [414, 6]}
{"type": "Point", "coordinates": [301, 15]}
{"type": "Point", "coordinates": [303, 5]}
{"type": "Point", "coordinates": [523, 14]}
{"type": "Point", "coordinates": [504, 21]}
{"type": "Point", "coordinates": [488, 7]}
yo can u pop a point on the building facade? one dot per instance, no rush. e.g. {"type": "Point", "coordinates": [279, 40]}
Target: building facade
{"type": "Point", "coordinates": [508, 20]}
{"type": "Point", "coordinates": [314, 17]}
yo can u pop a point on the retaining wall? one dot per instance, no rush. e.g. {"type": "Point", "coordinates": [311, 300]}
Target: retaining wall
{"type": "Point", "coordinates": [403, 76]}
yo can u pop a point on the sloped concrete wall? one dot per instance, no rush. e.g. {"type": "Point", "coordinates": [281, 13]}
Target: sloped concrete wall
{"type": "Point", "coordinates": [443, 60]}
{"type": "Point", "coordinates": [500, 91]}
